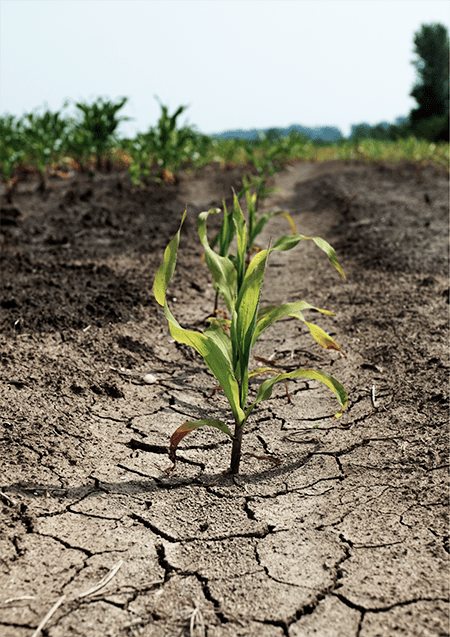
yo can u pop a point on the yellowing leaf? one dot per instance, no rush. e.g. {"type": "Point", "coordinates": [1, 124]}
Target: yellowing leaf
{"type": "Point", "coordinates": [263, 370]}
{"type": "Point", "coordinates": [323, 338]}
{"type": "Point", "coordinates": [269, 315]}
{"type": "Point", "coordinates": [289, 220]}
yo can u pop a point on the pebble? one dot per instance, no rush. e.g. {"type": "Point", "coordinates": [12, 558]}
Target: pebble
{"type": "Point", "coordinates": [149, 379]}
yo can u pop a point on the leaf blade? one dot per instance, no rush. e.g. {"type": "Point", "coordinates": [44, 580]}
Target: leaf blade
{"type": "Point", "coordinates": [288, 242]}
{"type": "Point", "coordinates": [187, 427]}
{"type": "Point", "coordinates": [214, 358]}
{"type": "Point", "coordinates": [269, 315]}
{"type": "Point", "coordinates": [265, 389]}
{"type": "Point", "coordinates": [165, 271]}
{"type": "Point", "coordinates": [221, 268]}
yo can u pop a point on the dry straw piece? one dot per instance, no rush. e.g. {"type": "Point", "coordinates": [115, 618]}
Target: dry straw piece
{"type": "Point", "coordinates": [87, 593]}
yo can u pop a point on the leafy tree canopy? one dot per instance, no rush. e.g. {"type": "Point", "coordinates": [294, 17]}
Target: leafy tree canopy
{"type": "Point", "coordinates": [431, 90]}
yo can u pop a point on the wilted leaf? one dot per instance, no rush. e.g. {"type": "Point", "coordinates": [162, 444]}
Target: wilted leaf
{"type": "Point", "coordinates": [265, 390]}
{"type": "Point", "coordinates": [186, 429]}
{"type": "Point", "coordinates": [323, 338]}
{"type": "Point", "coordinates": [290, 241]}
{"type": "Point", "coordinates": [269, 315]}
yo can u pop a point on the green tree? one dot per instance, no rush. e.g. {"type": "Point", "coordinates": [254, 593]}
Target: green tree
{"type": "Point", "coordinates": [431, 91]}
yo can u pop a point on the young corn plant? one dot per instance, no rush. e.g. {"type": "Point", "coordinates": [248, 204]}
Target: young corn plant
{"type": "Point", "coordinates": [11, 151]}
{"type": "Point", "coordinates": [99, 124]}
{"type": "Point", "coordinates": [226, 344]}
{"type": "Point", "coordinates": [257, 222]}
{"type": "Point", "coordinates": [266, 155]}
{"type": "Point", "coordinates": [44, 140]}
{"type": "Point", "coordinates": [164, 148]}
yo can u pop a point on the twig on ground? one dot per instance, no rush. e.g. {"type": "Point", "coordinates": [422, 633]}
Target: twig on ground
{"type": "Point", "coordinates": [196, 620]}
{"type": "Point", "coordinates": [91, 591]}
{"type": "Point", "coordinates": [7, 498]}
{"type": "Point", "coordinates": [18, 599]}
{"type": "Point", "coordinates": [270, 458]}
{"type": "Point", "coordinates": [373, 397]}
{"type": "Point", "coordinates": [102, 582]}
{"type": "Point", "coordinates": [48, 616]}
{"type": "Point", "coordinates": [287, 392]}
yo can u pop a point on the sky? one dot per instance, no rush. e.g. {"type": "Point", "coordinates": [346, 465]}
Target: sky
{"type": "Point", "coordinates": [235, 63]}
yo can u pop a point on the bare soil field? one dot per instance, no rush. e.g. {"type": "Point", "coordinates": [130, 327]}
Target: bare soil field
{"type": "Point", "coordinates": [333, 527]}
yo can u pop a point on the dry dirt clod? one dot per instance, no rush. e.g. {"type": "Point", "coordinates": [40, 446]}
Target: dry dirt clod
{"type": "Point", "coordinates": [149, 379]}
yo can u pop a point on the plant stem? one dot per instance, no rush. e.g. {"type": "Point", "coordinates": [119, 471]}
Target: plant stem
{"type": "Point", "coordinates": [236, 449]}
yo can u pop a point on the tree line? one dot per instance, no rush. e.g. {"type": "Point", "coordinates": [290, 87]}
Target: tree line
{"type": "Point", "coordinates": [430, 119]}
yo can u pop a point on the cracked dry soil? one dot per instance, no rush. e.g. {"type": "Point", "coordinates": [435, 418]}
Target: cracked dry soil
{"type": "Point", "coordinates": [345, 537]}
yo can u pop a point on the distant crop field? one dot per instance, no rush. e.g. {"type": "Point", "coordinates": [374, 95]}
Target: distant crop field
{"type": "Point", "coordinates": [46, 142]}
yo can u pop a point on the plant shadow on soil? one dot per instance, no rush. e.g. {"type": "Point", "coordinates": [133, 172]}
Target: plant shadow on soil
{"type": "Point", "coordinates": [347, 535]}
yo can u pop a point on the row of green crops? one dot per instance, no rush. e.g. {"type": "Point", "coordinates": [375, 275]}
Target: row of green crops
{"type": "Point", "coordinates": [42, 139]}
{"type": "Point", "coordinates": [89, 139]}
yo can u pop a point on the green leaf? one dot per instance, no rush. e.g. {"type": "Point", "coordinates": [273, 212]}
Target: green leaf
{"type": "Point", "coordinates": [330, 252]}
{"type": "Point", "coordinates": [186, 429]}
{"type": "Point", "coordinates": [165, 271]}
{"type": "Point", "coordinates": [269, 315]}
{"type": "Point", "coordinates": [290, 241]}
{"type": "Point", "coordinates": [247, 312]}
{"type": "Point", "coordinates": [241, 235]}
{"type": "Point", "coordinates": [256, 260]}
{"type": "Point", "coordinates": [226, 232]}
{"type": "Point", "coordinates": [265, 389]}
{"type": "Point", "coordinates": [221, 268]}
{"type": "Point", "coordinates": [214, 358]}
{"type": "Point", "coordinates": [218, 332]}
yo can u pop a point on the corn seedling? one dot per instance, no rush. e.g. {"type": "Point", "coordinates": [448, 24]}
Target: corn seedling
{"type": "Point", "coordinates": [78, 146]}
{"type": "Point", "coordinates": [141, 159]}
{"type": "Point", "coordinates": [226, 344]}
{"type": "Point", "coordinates": [257, 222]}
{"type": "Point", "coordinates": [255, 226]}
{"type": "Point", "coordinates": [99, 124]}
{"type": "Point", "coordinates": [164, 147]}
{"type": "Point", "coordinates": [11, 151]}
{"type": "Point", "coordinates": [44, 137]}
{"type": "Point", "coordinates": [40, 140]}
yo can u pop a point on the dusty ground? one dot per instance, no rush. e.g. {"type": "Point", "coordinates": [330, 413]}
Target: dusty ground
{"type": "Point", "coordinates": [345, 537]}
